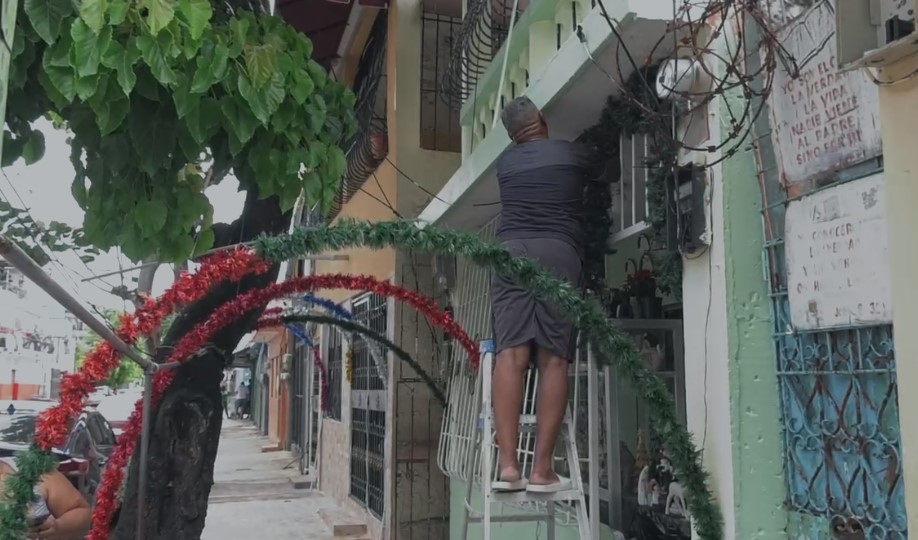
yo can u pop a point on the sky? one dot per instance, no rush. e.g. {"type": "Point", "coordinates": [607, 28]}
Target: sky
{"type": "Point", "coordinates": [44, 188]}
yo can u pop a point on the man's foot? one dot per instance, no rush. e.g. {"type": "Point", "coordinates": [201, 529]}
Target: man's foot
{"type": "Point", "coordinates": [510, 480]}
{"type": "Point", "coordinates": [547, 483]}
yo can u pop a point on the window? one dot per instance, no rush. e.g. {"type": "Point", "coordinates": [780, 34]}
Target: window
{"type": "Point", "coordinates": [368, 409]}
{"type": "Point", "coordinates": [440, 128]}
{"type": "Point", "coordinates": [335, 352]}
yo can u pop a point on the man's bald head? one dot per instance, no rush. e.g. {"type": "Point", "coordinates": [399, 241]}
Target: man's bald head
{"type": "Point", "coordinates": [523, 120]}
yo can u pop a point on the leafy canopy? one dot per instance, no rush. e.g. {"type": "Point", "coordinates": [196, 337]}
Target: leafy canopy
{"type": "Point", "coordinates": [166, 97]}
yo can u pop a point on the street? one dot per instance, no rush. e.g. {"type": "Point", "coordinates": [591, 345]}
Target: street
{"type": "Point", "coordinates": [253, 494]}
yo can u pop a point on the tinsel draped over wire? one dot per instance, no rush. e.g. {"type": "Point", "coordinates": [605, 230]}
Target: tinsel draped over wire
{"type": "Point", "coordinates": [225, 315]}
{"type": "Point", "coordinates": [53, 425]}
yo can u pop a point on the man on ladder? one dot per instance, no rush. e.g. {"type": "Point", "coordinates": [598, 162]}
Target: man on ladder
{"type": "Point", "coordinates": [541, 183]}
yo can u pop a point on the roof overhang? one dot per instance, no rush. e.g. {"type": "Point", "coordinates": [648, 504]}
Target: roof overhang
{"type": "Point", "coordinates": [572, 91]}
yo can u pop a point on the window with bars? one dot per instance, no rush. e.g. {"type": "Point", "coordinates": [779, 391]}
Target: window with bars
{"type": "Point", "coordinates": [335, 370]}
{"type": "Point", "coordinates": [368, 408]}
{"type": "Point", "coordinates": [440, 128]}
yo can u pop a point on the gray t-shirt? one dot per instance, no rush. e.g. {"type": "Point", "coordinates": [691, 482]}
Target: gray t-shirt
{"type": "Point", "coordinates": [541, 190]}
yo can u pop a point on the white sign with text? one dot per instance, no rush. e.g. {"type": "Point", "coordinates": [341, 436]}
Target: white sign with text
{"type": "Point", "coordinates": [823, 120]}
{"type": "Point", "coordinates": [837, 252]}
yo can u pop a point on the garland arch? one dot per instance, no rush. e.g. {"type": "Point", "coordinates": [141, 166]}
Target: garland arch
{"type": "Point", "coordinates": [106, 501]}
{"type": "Point", "coordinates": [356, 328]}
{"type": "Point", "coordinates": [614, 346]}
{"type": "Point", "coordinates": [53, 424]}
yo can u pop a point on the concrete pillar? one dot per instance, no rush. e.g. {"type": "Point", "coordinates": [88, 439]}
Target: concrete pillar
{"type": "Point", "coordinates": [898, 117]}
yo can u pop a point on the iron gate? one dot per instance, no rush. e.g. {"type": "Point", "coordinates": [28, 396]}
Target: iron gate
{"type": "Point", "coordinates": [297, 397]}
{"type": "Point", "coordinates": [838, 392]}
{"type": "Point", "coordinates": [368, 410]}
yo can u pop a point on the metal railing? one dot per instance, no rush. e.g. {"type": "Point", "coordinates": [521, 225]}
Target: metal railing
{"type": "Point", "coordinates": [369, 146]}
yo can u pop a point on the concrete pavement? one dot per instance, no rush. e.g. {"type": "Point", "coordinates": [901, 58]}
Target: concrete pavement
{"type": "Point", "coordinates": [254, 496]}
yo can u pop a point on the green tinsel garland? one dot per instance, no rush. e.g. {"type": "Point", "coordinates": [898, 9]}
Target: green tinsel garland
{"type": "Point", "coordinates": [621, 116]}
{"type": "Point", "coordinates": [355, 328]}
{"type": "Point", "coordinates": [18, 491]}
{"type": "Point", "coordinates": [611, 344]}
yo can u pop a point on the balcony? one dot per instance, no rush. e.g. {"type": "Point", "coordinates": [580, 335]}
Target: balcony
{"type": "Point", "coordinates": [369, 147]}
{"type": "Point", "coordinates": [546, 60]}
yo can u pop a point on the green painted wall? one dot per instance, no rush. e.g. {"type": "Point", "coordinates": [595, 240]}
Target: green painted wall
{"type": "Point", "coordinates": [758, 482]}
{"type": "Point", "coordinates": [506, 531]}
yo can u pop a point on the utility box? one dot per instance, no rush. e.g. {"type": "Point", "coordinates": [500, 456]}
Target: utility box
{"type": "Point", "coordinates": [874, 33]}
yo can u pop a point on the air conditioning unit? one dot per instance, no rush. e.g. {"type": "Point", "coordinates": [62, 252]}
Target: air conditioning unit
{"type": "Point", "coordinates": [874, 33]}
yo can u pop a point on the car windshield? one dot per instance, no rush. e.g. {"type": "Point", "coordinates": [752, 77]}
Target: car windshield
{"type": "Point", "coordinates": [18, 429]}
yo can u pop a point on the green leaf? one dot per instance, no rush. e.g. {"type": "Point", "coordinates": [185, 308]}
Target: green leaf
{"type": "Point", "coordinates": [122, 60]}
{"type": "Point", "coordinates": [303, 87]}
{"type": "Point", "coordinates": [61, 78]}
{"type": "Point", "coordinates": [265, 101]}
{"type": "Point", "coordinates": [315, 154]}
{"type": "Point", "coordinates": [153, 132]}
{"type": "Point", "coordinates": [337, 162]}
{"type": "Point", "coordinates": [47, 17]}
{"type": "Point", "coordinates": [205, 242]}
{"type": "Point", "coordinates": [159, 14]}
{"type": "Point", "coordinates": [34, 148]}
{"type": "Point", "coordinates": [316, 113]}
{"type": "Point", "coordinates": [88, 47]}
{"type": "Point", "coordinates": [203, 121]}
{"type": "Point", "coordinates": [238, 121]}
{"type": "Point", "coordinates": [86, 86]}
{"type": "Point", "coordinates": [116, 151]}
{"type": "Point", "coordinates": [284, 115]}
{"type": "Point", "coordinates": [146, 84]}
{"type": "Point", "coordinates": [184, 100]}
{"type": "Point", "coordinates": [118, 108]}
{"type": "Point", "coordinates": [154, 52]}
{"type": "Point", "coordinates": [211, 68]}
{"type": "Point", "coordinates": [261, 64]}
{"type": "Point", "coordinates": [197, 14]}
{"type": "Point", "coordinates": [118, 11]}
{"type": "Point", "coordinates": [93, 14]}
{"type": "Point", "coordinates": [151, 216]}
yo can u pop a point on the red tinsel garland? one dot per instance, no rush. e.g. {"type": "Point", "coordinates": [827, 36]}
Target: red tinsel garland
{"type": "Point", "coordinates": [225, 315]}
{"type": "Point", "coordinates": [53, 425]}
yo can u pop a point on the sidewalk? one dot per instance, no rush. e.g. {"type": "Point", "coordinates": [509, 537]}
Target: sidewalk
{"type": "Point", "coordinates": [253, 496]}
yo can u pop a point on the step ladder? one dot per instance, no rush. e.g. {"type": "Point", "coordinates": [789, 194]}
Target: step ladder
{"type": "Point", "coordinates": [483, 450]}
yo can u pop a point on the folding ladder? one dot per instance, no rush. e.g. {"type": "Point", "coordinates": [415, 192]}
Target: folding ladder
{"type": "Point", "coordinates": [483, 441]}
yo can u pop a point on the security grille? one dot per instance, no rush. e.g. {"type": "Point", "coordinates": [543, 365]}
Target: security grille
{"type": "Point", "coordinates": [838, 394]}
{"type": "Point", "coordinates": [335, 372]}
{"type": "Point", "coordinates": [368, 410]}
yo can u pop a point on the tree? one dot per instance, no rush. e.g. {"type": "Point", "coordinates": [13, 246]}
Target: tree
{"type": "Point", "coordinates": [164, 98]}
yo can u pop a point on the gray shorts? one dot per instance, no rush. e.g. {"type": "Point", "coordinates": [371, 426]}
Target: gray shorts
{"type": "Point", "coordinates": [519, 317]}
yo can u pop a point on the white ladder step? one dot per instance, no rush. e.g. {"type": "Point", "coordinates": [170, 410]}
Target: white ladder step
{"type": "Point", "coordinates": [574, 497]}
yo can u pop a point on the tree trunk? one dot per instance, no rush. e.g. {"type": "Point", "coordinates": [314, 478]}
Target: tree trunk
{"type": "Point", "coordinates": [185, 428]}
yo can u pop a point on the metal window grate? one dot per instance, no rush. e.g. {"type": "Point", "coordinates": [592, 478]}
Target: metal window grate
{"type": "Point", "coordinates": [368, 409]}
{"type": "Point", "coordinates": [440, 127]}
{"type": "Point", "coordinates": [838, 394]}
{"type": "Point", "coordinates": [335, 370]}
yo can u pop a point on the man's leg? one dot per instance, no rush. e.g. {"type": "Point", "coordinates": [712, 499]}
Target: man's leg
{"type": "Point", "coordinates": [550, 406]}
{"type": "Point", "coordinates": [507, 396]}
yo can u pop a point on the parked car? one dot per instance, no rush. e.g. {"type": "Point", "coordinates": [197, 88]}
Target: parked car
{"type": "Point", "coordinates": [83, 456]}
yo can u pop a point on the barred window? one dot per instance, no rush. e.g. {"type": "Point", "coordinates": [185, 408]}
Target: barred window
{"type": "Point", "coordinates": [335, 371]}
{"type": "Point", "coordinates": [368, 408]}
{"type": "Point", "coordinates": [440, 128]}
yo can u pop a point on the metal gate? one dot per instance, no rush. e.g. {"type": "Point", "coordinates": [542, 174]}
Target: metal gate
{"type": "Point", "coordinates": [838, 393]}
{"type": "Point", "coordinates": [368, 409]}
{"type": "Point", "coordinates": [298, 400]}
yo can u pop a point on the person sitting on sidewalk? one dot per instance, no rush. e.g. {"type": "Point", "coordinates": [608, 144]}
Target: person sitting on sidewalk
{"type": "Point", "coordinates": [541, 182]}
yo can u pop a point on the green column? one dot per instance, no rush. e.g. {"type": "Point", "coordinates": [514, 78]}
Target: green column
{"type": "Point", "coordinates": [758, 481]}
